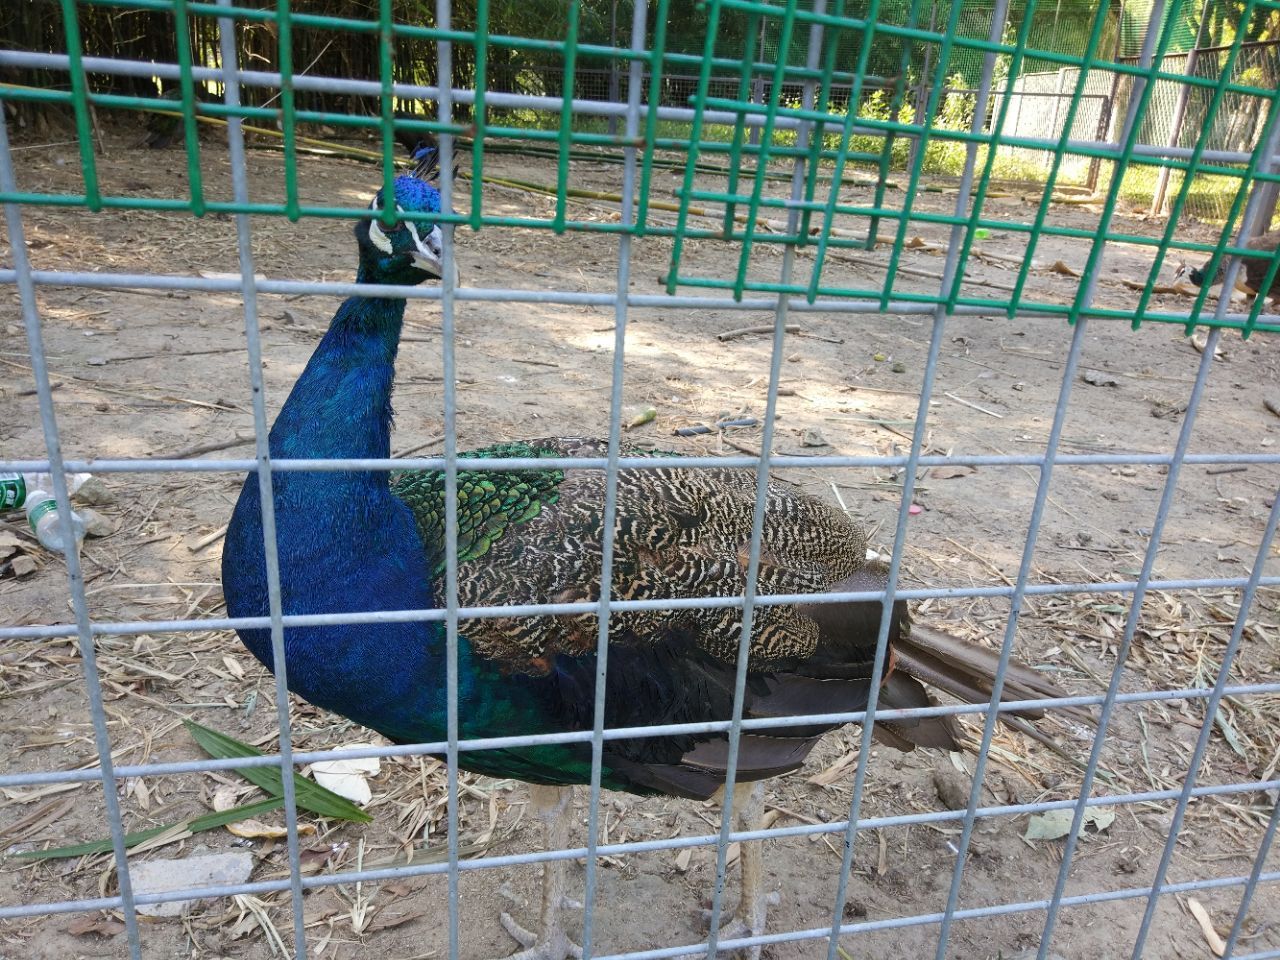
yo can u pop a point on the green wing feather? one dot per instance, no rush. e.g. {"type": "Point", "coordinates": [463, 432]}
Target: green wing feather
{"type": "Point", "coordinates": [488, 501]}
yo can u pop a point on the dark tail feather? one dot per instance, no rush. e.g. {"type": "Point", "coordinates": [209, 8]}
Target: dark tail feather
{"type": "Point", "coordinates": [967, 672]}
{"type": "Point", "coordinates": [904, 692]}
{"type": "Point", "coordinates": [962, 667]}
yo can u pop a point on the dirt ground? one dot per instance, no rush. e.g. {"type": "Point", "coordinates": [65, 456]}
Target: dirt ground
{"type": "Point", "coordinates": [155, 374]}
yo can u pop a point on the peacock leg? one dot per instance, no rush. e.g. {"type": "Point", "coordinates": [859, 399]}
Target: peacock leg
{"type": "Point", "coordinates": [753, 907]}
{"type": "Point", "coordinates": [554, 805]}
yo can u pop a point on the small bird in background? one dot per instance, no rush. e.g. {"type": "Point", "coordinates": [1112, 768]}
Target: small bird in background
{"type": "Point", "coordinates": [359, 540]}
{"type": "Point", "coordinates": [1251, 278]}
{"type": "Point", "coordinates": [163, 128]}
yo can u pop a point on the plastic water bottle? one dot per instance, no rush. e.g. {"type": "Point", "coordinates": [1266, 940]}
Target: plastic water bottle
{"type": "Point", "coordinates": [16, 488]}
{"type": "Point", "coordinates": [29, 492]}
{"type": "Point", "coordinates": [42, 515]}
{"type": "Point", "coordinates": [13, 489]}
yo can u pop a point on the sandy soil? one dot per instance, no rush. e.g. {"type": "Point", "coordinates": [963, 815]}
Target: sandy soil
{"type": "Point", "coordinates": [141, 374]}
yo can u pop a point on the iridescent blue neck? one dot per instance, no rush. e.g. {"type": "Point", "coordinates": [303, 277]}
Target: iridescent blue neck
{"type": "Point", "coordinates": [341, 405]}
{"type": "Point", "coordinates": [346, 543]}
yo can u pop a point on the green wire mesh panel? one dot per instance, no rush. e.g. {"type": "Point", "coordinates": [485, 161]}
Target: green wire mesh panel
{"type": "Point", "coordinates": [1101, 125]}
{"type": "Point", "coordinates": [855, 134]}
{"type": "Point", "coordinates": [1061, 27]}
{"type": "Point", "coordinates": [312, 78]}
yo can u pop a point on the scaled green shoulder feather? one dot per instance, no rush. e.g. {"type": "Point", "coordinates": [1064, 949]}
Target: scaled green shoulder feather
{"type": "Point", "coordinates": [489, 501]}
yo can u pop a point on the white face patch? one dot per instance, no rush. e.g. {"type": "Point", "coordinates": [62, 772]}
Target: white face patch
{"type": "Point", "coordinates": [378, 238]}
{"type": "Point", "coordinates": [413, 232]}
{"type": "Point", "coordinates": [376, 235]}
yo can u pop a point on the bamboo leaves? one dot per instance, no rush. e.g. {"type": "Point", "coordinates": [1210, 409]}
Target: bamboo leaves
{"type": "Point", "coordinates": [310, 796]}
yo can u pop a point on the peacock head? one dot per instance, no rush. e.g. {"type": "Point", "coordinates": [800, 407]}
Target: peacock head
{"type": "Point", "coordinates": [412, 250]}
{"type": "Point", "coordinates": [1191, 273]}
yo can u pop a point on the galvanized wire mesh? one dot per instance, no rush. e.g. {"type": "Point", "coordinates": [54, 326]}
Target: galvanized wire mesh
{"type": "Point", "coordinates": [797, 117]}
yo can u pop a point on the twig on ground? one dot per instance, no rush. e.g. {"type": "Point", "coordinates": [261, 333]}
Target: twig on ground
{"type": "Point", "coordinates": [208, 539]}
{"type": "Point", "coordinates": [974, 406]}
{"type": "Point", "coordinates": [419, 448]}
{"type": "Point", "coordinates": [749, 331]}
{"type": "Point", "coordinates": [238, 440]}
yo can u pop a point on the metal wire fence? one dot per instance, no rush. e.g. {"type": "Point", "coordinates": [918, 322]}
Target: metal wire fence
{"type": "Point", "coordinates": [1181, 115]}
{"type": "Point", "coordinates": [813, 143]}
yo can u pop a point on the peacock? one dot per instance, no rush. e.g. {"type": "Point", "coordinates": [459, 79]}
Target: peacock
{"type": "Point", "coordinates": [359, 540]}
{"type": "Point", "coordinates": [1252, 276]}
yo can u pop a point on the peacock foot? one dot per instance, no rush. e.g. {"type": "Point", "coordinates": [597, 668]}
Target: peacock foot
{"type": "Point", "coordinates": [749, 921]}
{"type": "Point", "coordinates": [551, 944]}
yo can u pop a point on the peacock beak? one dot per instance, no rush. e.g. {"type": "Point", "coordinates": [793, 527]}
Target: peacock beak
{"type": "Point", "coordinates": [428, 252]}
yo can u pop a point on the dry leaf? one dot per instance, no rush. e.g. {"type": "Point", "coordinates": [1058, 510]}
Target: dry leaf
{"type": "Point", "coordinates": [641, 417]}
{"type": "Point", "coordinates": [9, 545]}
{"type": "Point", "coordinates": [257, 830]}
{"type": "Point", "coordinates": [383, 922]}
{"type": "Point", "coordinates": [1050, 825]}
{"type": "Point", "coordinates": [37, 818]}
{"type": "Point", "coordinates": [1060, 267]}
{"type": "Point", "coordinates": [314, 858]}
{"type": "Point", "coordinates": [104, 925]}
{"type": "Point", "coordinates": [400, 888]}
{"type": "Point", "coordinates": [683, 858]}
{"type": "Point", "coordinates": [1056, 824]}
{"type": "Point", "coordinates": [1099, 379]}
{"type": "Point", "coordinates": [1199, 343]}
{"type": "Point", "coordinates": [1211, 936]}
{"type": "Point", "coordinates": [225, 797]}
{"type": "Point", "coordinates": [233, 667]}
{"type": "Point", "coordinates": [950, 472]}
{"type": "Point", "coordinates": [39, 793]}
{"type": "Point", "coordinates": [1178, 287]}
{"type": "Point", "coordinates": [837, 771]}
{"type": "Point", "coordinates": [813, 437]}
